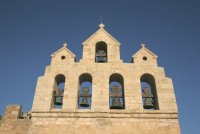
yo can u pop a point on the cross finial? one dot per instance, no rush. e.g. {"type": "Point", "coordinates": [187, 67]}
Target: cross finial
{"type": "Point", "coordinates": [101, 24]}
{"type": "Point", "coordinates": [142, 45]}
{"type": "Point", "coordinates": [65, 44]}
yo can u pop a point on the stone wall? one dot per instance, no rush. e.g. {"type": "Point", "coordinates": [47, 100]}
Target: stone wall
{"type": "Point", "coordinates": [89, 122]}
{"type": "Point", "coordinates": [104, 126]}
{"type": "Point", "coordinates": [12, 122]}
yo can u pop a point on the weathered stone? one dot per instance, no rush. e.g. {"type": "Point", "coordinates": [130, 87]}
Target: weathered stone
{"type": "Point", "coordinates": [100, 119]}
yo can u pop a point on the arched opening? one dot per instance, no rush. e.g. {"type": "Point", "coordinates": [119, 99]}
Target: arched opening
{"type": "Point", "coordinates": [101, 52]}
{"type": "Point", "coordinates": [116, 92]}
{"type": "Point", "coordinates": [85, 91]}
{"type": "Point", "coordinates": [149, 93]}
{"type": "Point", "coordinates": [58, 91]}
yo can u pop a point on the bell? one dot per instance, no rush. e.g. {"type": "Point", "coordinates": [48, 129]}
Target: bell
{"type": "Point", "coordinates": [148, 99]}
{"type": "Point", "coordinates": [116, 103]}
{"type": "Point", "coordinates": [58, 100]}
{"type": "Point", "coordinates": [148, 103]}
{"type": "Point", "coordinates": [116, 94]}
{"type": "Point", "coordinates": [101, 53]}
{"type": "Point", "coordinates": [85, 94]}
{"type": "Point", "coordinates": [84, 102]}
{"type": "Point", "coordinates": [58, 97]}
{"type": "Point", "coordinates": [101, 56]}
{"type": "Point", "coordinates": [101, 59]}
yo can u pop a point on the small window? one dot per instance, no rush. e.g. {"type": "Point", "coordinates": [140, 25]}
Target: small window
{"type": "Point", "coordinates": [144, 58]}
{"type": "Point", "coordinates": [62, 57]}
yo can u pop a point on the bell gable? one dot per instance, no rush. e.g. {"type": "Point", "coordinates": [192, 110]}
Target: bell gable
{"type": "Point", "coordinates": [101, 36]}
{"type": "Point", "coordinates": [144, 57]}
{"type": "Point", "coordinates": [63, 55]}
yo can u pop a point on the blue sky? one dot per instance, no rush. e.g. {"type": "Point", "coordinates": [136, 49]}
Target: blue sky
{"type": "Point", "coordinates": [30, 31]}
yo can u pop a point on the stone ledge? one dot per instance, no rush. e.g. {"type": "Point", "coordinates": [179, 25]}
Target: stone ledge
{"type": "Point", "coordinates": [165, 115]}
{"type": "Point", "coordinates": [108, 111]}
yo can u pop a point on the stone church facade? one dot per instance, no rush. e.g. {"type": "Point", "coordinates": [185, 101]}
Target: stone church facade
{"type": "Point", "coordinates": [100, 94]}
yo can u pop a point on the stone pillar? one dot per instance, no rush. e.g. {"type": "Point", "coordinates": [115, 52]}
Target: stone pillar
{"type": "Point", "coordinates": [12, 112]}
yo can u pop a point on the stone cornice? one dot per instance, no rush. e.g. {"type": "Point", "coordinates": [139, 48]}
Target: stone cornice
{"type": "Point", "coordinates": [148, 115]}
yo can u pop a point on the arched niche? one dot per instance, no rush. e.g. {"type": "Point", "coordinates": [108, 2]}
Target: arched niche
{"type": "Point", "coordinates": [101, 53]}
{"type": "Point", "coordinates": [58, 92]}
{"type": "Point", "coordinates": [116, 92]}
{"type": "Point", "coordinates": [85, 91]}
{"type": "Point", "coordinates": [149, 92]}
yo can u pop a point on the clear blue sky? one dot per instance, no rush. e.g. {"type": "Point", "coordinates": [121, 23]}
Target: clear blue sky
{"type": "Point", "coordinates": [30, 31]}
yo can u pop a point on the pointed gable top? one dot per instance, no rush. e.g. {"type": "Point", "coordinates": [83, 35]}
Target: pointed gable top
{"type": "Point", "coordinates": [101, 29]}
{"type": "Point", "coordinates": [145, 49]}
{"type": "Point", "coordinates": [64, 48]}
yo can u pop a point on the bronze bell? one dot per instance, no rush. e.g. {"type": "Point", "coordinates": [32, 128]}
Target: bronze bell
{"type": "Point", "coordinates": [101, 56]}
{"type": "Point", "coordinates": [85, 100]}
{"type": "Point", "coordinates": [101, 53]}
{"type": "Point", "coordinates": [148, 103]}
{"type": "Point", "coordinates": [148, 99]}
{"type": "Point", "coordinates": [116, 94]}
{"type": "Point", "coordinates": [58, 97]}
{"type": "Point", "coordinates": [116, 103]}
{"type": "Point", "coordinates": [101, 59]}
{"type": "Point", "coordinates": [58, 100]}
